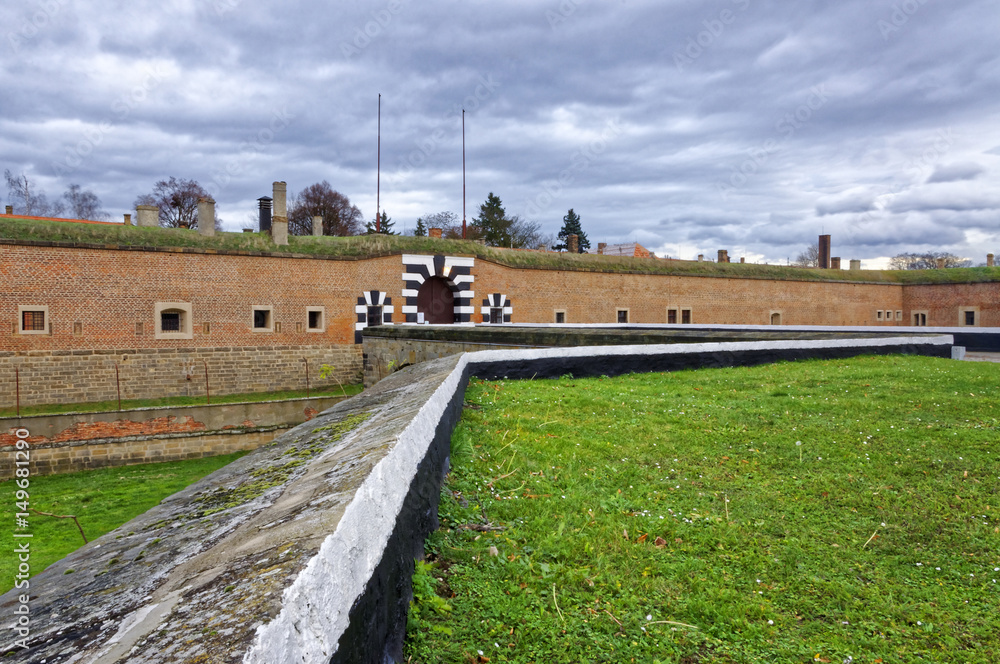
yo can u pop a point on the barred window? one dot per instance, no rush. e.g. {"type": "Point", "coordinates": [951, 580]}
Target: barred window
{"type": "Point", "coordinates": [170, 321]}
{"type": "Point", "coordinates": [33, 321]}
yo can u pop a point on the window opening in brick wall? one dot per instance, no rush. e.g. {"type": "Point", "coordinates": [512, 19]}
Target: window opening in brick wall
{"type": "Point", "coordinates": [878, 314]}
{"type": "Point", "coordinates": [32, 321]}
{"type": "Point", "coordinates": [560, 317]}
{"type": "Point", "coordinates": [686, 316]}
{"type": "Point", "coordinates": [970, 317]}
{"type": "Point", "coordinates": [262, 319]}
{"type": "Point", "coordinates": [776, 318]}
{"type": "Point", "coordinates": [315, 320]}
{"type": "Point", "coordinates": [77, 328]}
{"type": "Point", "coordinates": [920, 319]}
{"type": "Point", "coordinates": [374, 316]}
{"type": "Point", "coordinates": [899, 314]}
{"type": "Point", "coordinates": [496, 315]}
{"type": "Point", "coordinates": [623, 315]}
{"type": "Point", "coordinates": [672, 316]}
{"type": "Point", "coordinates": [170, 321]}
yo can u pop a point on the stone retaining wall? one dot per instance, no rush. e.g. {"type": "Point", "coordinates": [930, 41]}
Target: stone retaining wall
{"type": "Point", "coordinates": [303, 550]}
{"type": "Point", "coordinates": [64, 376]}
{"type": "Point", "coordinates": [72, 442]}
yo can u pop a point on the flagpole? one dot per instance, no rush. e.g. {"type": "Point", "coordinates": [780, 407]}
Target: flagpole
{"type": "Point", "coordinates": [378, 177]}
{"type": "Point", "coordinates": [463, 173]}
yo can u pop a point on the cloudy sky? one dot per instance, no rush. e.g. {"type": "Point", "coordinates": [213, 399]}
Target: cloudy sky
{"type": "Point", "coordinates": [688, 126]}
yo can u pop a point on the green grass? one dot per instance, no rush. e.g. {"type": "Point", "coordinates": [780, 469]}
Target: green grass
{"type": "Point", "coordinates": [368, 246]}
{"type": "Point", "coordinates": [127, 404]}
{"type": "Point", "coordinates": [101, 500]}
{"type": "Point", "coordinates": [874, 540]}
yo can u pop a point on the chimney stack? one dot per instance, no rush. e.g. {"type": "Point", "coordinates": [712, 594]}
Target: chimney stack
{"type": "Point", "coordinates": [206, 216]}
{"type": "Point", "coordinates": [940, 263]}
{"type": "Point", "coordinates": [10, 210]}
{"type": "Point", "coordinates": [573, 244]}
{"type": "Point", "coordinates": [317, 225]}
{"type": "Point", "coordinates": [855, 264]}
{"type": "Point", "coordinates": [128, 219]}
{"type": "Point", "coordinates": [989, 260]}
{"type": "Point", "coordinates": [434, 232]}
{"type": "Point", "coordinates": [601, 246]}
{"type": "Point", "coordinates": [723, 256]}
{"type": "Point", "coordinates": [835, 263]}
{"type": "Point", "coordinates": [279, 221]}
{"type": "Point", "coordinates": [264, 204]}
{"type": "Point", "coordinates": [147, 215]}
{"type": "Point", "coordinates": [824, 252]}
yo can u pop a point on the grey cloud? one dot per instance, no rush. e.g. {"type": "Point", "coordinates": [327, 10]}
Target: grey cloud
{"type": "Point", "coordinates": [955, 172]}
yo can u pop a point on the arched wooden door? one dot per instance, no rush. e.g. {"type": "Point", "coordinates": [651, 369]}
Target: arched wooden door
{"type": "Point", "coordinates": [436, 302]}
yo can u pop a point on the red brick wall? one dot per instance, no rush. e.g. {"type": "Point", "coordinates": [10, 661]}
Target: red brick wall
{"type": "Point", "coordinates": [944, 302]}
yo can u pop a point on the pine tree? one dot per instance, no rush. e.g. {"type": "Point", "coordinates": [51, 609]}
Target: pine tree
{"type": "Point", "coordinates": [492, 224]}
{"type": "Point", "coordinates": [420, 230]}
{"type": "Point", "coordinates": [571, 226]}
{"type": "Point", "coordinates": [385, 227]}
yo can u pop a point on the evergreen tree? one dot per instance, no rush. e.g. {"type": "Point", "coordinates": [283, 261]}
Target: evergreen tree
{"type": "Point", "coordinates": [420, 230]}
{"type": "Point", "coordinates": [571, 226]}
{"type": "Point", "coordinates": [492, 224]}
{"type": "Point", "coordinates": [385, 227]}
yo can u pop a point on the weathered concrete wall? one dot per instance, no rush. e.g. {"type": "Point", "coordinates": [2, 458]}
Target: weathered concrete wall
{"type": "Point", "coordinates": [70, 442]}
{"type": "Point", "coordinates": [303, 551]}
{"type": "Point", "coordinates": [80, 376]}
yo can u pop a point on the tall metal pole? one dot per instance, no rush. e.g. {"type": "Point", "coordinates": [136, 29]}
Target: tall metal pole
{"type": "Point", "coordinates": [463, 173]}
{"type": "Point", "coordinates": [378, 180]}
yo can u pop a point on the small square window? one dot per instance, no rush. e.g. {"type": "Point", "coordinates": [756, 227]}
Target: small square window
{"type": "Point", "coordinates": [878, 314]}
{"type": "Point", "coordinates": [262, 318]}
{"type": "Point", "coordinates": [623, 315]}
{"type": "Point", "coordinates": [560, 317]}
{"type": "Point", "coordinates": [899, 314]}
{"type": "Point", "coordinates": [170, 321]}
{"type": "Point", "coordinates": [33, 319]}
{"type": "Point", "coordinates": [315, 320]}
{"type": "Point", "coordinates": [686, 316]}
{"type": "Point", "coordinates": [970, 317]}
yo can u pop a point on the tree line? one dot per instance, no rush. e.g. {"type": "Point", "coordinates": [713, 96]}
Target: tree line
{"type": "Point", "coordinates": [177, 202]}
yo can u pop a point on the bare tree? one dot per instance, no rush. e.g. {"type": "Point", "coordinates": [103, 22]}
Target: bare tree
{"type": "Point", "coordinates": [26, 199]}
{"type": "Point", "coordinates": [927, 261]}
{"type": "Point", "coordinates": [84, 204]}
{"type": "Point", "coordinates": [809, 257]}
{"type": "Point", "coordinates": [177, 201]}
{"type": "Point", "coordinates": [339, 216]}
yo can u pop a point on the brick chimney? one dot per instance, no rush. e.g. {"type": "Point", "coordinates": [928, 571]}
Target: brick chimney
{"type": "Point", "coordinates": [824, 252]}
{"type": "Point", "coordinates": [940, 263]}
{"type": "Point", "coordinates": [128, 219]}
{"type": "Point", "coordinates": [723, 256]}
{"type": "Point", "coordinates": [601, 246]}
{"type": "Point", "coordinates": [10, 210]}
{"type": "Point", "coordinates": [573, 244]}
{"type": "Point", "coordinates": [434, 232]}
{"type": "Point", "coordinates": [835, 263]}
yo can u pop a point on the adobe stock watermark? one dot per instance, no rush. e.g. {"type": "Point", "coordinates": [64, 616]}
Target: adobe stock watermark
{"type": "Point", "coordinates": [451, 121]}
{"type": "Point", "coordinates": [40, 19]}
{"type": "Point", "coordinates": [715, 27]}
{"type": "Point", "coordinates": [22, 539]}
{"type": "Point", "coordinates": [900, 16]}
{"type": "Point", "coordinates": [580, 162]}
{"type": "Point", "coordinates": [918, 167]}
{"type": "Point", "coordinates": [252, 145]}
{"type": "Point", "coordinates": [787, 126]}
{"type": "Point", "coordinates": [372, 29]}
{"type": "Point", "coordinates": [120, 110]}
{"type": "Point", "coordinates": [562, 13]}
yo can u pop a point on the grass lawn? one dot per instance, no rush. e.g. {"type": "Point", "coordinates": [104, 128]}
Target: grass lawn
{"type": "Point", "coordinates": [821, 511]}
{"type": "Point", "coordinates": [251, 397]}
{"type": "Point", "coordinates": [101, 500]}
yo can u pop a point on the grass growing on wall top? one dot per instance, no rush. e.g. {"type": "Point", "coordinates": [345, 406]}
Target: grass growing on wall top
{"type": "Point", "coordinates": [101, 499]}
{"type": "Point", "coordinates": [365, 246]}
{"type": "Point", "coordinates": [831, 511]}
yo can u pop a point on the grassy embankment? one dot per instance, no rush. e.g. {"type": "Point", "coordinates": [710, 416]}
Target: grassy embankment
{"type": "Point", "coordinates": [101, 500]}
{"type": "Point", "coordinates": [366, 246]}
{"type": "Point", "coordinates": [823, 511]}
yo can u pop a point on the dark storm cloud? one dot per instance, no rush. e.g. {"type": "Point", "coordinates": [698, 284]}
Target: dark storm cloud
{"type": "Point", "coordinates": [690, 126]}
